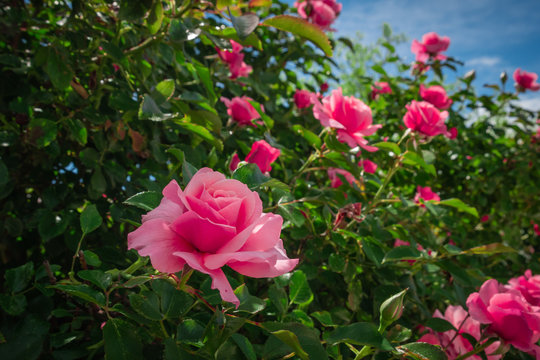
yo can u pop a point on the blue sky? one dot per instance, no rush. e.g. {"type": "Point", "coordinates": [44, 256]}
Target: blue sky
{"type": "Point", "coordinates": [490, 36]}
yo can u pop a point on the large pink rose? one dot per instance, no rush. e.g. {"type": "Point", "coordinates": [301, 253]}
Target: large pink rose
{"type": "Point", "coordinates": [350, 116]}
{"type": "Point", "coordinates": [508, 314]}
{"type": "Point", "coordinates": [425, 118]}
{"type": "Point", "coordinates": [528, 285]}
{"type": "Point", "coordinates": [235, 60]}
{"type": "Point", "coordinates": [458, 345]}
{"type": "Point", "coordinates": [262, 154]}
{"type": "Point", "coordinates": [212, 223]}
{"type": "Point", "coordinates": [431, 46]}
{"type": "Point", "coordinates": [526, 80]}
{"type": "Point", "coordinates": [302, 98]}
{"type": "Point", "coordinates": [435, 95]}
{"type": "Point", "coordinates": [240, 110]}
{"type": "Point", "coordinates": [320, 12]}
{"type": "Point", "coordinates": [335, 181]}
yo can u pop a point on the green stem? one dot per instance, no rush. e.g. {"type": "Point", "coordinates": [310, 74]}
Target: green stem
{"type": "Point", "coordinates": [477, 350]}
{"type": "Point", "coordinates": [365, 351]}
{"type": "Point", "coordinates": [136, 265]}
{"type": "Point", "coordinates": [163, 329]}
{"type": "Point", "coordinates": [75, 256]}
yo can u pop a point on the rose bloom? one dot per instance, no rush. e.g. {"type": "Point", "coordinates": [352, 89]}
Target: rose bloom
{"type": "Point", "coordinates": [508, 314]}
{"type": "Point", "coordinates": [320, 12]}
{"type": "Point", "coordinates": [435, 95]}
{"type": "Point", "coordinates": [213, 222]}
{"type": "Point", "coordinates": [425, 118]}
{"type": "Point", "coordinates": [526, 80]}
{"type": "Point", "coordinates": [458, 345]}
{"type": "Point", "coordinates": [380, 87]}
{"type": "Point", "coordinates": [431, 46]}
{"type": "Point", "coordinates": [350, 116]}
{"type": "Point", "coordinates": [426, 194]}
{"type": "Point", "coordinates": [262, 154]}
{"type": "Point", "coordinates": [235, 60]}
{"type": "Point", "coordinates": [528, 285]}
{"type": "Point", "coordinates": [302, 98]}
{"type": "Point", "coordinates": [452, 133]}
{"type": "Point", "coordinates": [336, 181]}
{"type": "Point", "coordinates": [369, 166]}
{"type": "Point", "coordinates": [240, 110]}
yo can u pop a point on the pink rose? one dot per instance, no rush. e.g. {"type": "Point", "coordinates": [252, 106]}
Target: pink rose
{"type": "Point", "coordinates": [508, 314]}
{"type": "Point", "coordinates": [528, 285]}
{"type": "Point", "coordinates": [426, 194]}
{"type": "Point", "coordinates": [212, 223]}
{"type": "Point", "coordinates": [452, 133]}
{"type": "Point", "coordinates": [235, 160]}
{"type": "Point", "coordinates": [324, 87]}
{"type": "Point", "coordinates": [526, 80]}
{"type": "Point", "coordinates": [240, 110]}
{"type": "Point", "coordinates": [431, 46]}
{"type": "Point", "coordinates": [302, 98]}
{"type": "Point", "coordinates": [458, 345]}
{"type": "Point", "coordinates": [435, 95]}
{"type": "Point", "coordinates": [536, 229]}
{"type": "Point", "coordinates": [425, 118]}
{"type": "Point", "coordinates": [320, 12]}
{"type": "Point", "coordinates": [235, 59]}
{"type": "Point", "coordinates": [262, 154]}
{"type": "Point", "coordinates": [369, 166]}
{"type": "Point", "coordinates": [336, 181]}
{"type": "Point", "coordinates": [484, 218]}
{"type": "Point", "coordinates": [350, 116]}
{"type": "Point", "coordinates": [380, 87]}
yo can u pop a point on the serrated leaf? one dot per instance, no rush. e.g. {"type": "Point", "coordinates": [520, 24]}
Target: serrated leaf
{"type": "Point", "coordinates": [245, 346]}
{"type": "Point", "coordinates": [251, 175]}
{"type": "Point", "coordinates": [301, 27]}
{"type": "Point", "coordinates": [299, 290]}
{"type": "Point", "coordinates": [412, 158]}
{"type": "Point", "coordinates": [17, 278]}
{"type": "Point", "coordinates": [147, 304]}
{"type": "Point", "coordinates": [248, 302]}
{"type": "Point", "coordinates": [360, 333]}
{"type": "Point", "coordinates": [459, 205]}
{"type": "Point", "coordinates": [289, 338]}
{"type": "Point", "coordinates": [174, 303]}
{"type": "Point", "coordinates": [58, 70]}
{"type": "Point", "coordinates": [136, 281]}
{"type": "Point", "coordinates": [164, 91]}
{"type": "Point", "coordinates": [146, 200]}
{"type": "Point", "coordinates": [155, 18]}
{"type": "Point", "coordinates": [90, 219]}
{"type": "Point", "coordinates": [310, 137]}
{"type": "Point", "coordinates": [423, 351]}
{"type": "Point", "coordinates": [84, 292]}
{"type": "Point", "coordinates": [121, 341]}
{"type": "Point", "coordinates": [96, 277]}
{"type": "Point", "coordinates": [402, 253]}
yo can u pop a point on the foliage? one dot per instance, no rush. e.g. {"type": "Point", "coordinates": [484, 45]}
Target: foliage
{"type": "Point", "coordinates": [104, 103]}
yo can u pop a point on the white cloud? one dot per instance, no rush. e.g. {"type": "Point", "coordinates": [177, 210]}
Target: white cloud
{"type": "Point", "coordinates": [484, 61]}
{"type": "Point", "coordinates": [531, 103]}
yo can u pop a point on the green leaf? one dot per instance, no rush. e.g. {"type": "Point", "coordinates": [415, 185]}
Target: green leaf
{"type": "Point", "coordinates": [360, 333]}
{"type": "Point", "coordinates": [490, 249]}
{"type": "Point", "coordinates": [278, 297]}
{"type": "Point", "coordinates": [163, 92]}
{"type": "Point", "coordinates": [439, 325]}
{"type": "Point", "coordinates": [121, 341]}
{"type": "Point", "coordinates": [324, 317]}
{"type": "Point", "coordinates": [133, 10]}
{"type": "Point", "coordinates": [24, 339]}
{"type": "Point", "coordinates": [57, 68]}
{"type": "Point", "coordinates": [84, 292]}
{"type": "Point", "coordinates": [42, 131]}
{"type": "Point", "coordinates": [17, 278]}
{"type": "Point", "coordinates": [204, 75]}
{"type": "Point", "coordinates": [311, 138]}
{"type": "Point", "coordinates": [402, 253]}
{"type": "Point", "coordinates": [248, 302]}
{"type": "Point", "coordinates": [52, 225]}
{"type": "Point", "coordinates": [299, 290]}
{"type": "Point", "coordinates": [190, 331]}
{"type": "Point", "coordinates": [90, 219]}
{"type": "Point", "coordinates": [181, 31]}
{"type": "Point", "coordinates": [207, 119]}
{"type": "Point", "coordinates": [412, 158]}
{"type": "Point", "coordinates": [245, 346]}
{"type": "Point", "coordinates": [459, 205]}
{"type": "Point", "coordinates": [379, 69]}
{"type": "Point", "coordinates": [251, 175]}
{"type": "Point", "coordinates": [423, 351]}
{"type": "Point", "coordinates": [96, 277]}
{"type": "Point", "coordinates": [173, 351]}
{"type": "Point", "coordinates": [13, 304]}
{"type": "Point", "coordinates": [174, 302]}
{"type": "Point", "coordinates": [136, 281]}
{"type": "Point", "coordinates": [388, 146]}
{"type": "Point", "coordinates": [200, 131]}
{"type": "Point", "coordinates": [291, 339]}
{"type": "Point", "coordinates": [146, 200]}
{"type": "Point", "coordinates": [97, 182]}
{"type": "Point", "coordinates": [91, 258]}
{"type": "Point", "coordinates": [155, 18]}
{"type": "Point", "coordinates": [301, 27]}
{"type": "Point", "coordinates": [149, 110]}
{"type": "Point", "coordinates": [78, 131]}
{"type": "Point", "coordinates": [147, 304]}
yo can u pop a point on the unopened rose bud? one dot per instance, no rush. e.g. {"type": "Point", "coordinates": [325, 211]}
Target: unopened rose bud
{"type": "Point", "coordinates": [391, 309]}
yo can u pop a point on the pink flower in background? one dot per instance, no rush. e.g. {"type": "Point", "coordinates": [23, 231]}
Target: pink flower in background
{"type": "Point", "coordinates": [508, 314]}
{"type": "Point", "coordinates": [399, 242]}
{"type": "Point", "coordinates": [458, 345]}
{"type": "Point", "coordinates": [235, 160]}
{"type": "Point", "coordinates": [426, 194]}
{"type": "Point", "coordinates": [431, 46]}
{"type": "Point", "coordinates": [302, 98]}
{"type": "Point", "coordinates": [324, 87]}
{"type": "Point", "coordinates": [336, 181]}
{"type": "Point", "coordinates": [212, 223]}
{"type": "Point", "coordinates": [320, 12]}
{"type": "Point", "coordinates": [528, 285]}
{"type": "Point", "coordinates": [380, 87]}
{"type": "Point", "coordinates": [369, 166]}
{"type": "Point", "coordinates": [240, 110]}
{"type": "Point", "coordinates": [350, 116]}
{"type": "Point", "coordinates": [536, 229]}
{"type": "Point", "coordinates": [484, 218]}
{"type": "Point", "coordinates": [425, 118]}
{"type": "Point", "coordinates": [235, 59]}
{"type": "Point", "coordinates": [452, 133]}
{"type": "Point", "coordinates": [262, 154]}
{"type": "Point", "coordinates": [435, 95]}
{"type": "Point", "coordinates": [526, 80]}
